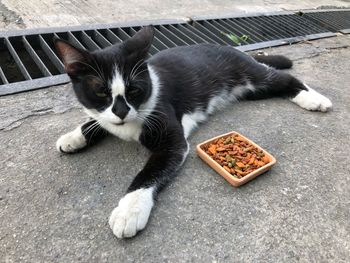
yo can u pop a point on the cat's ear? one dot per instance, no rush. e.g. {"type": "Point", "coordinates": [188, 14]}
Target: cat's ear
{"type": "Point", "coordinates": [75, 60]}
{"type": "Point", "coordinates": [137, 46]}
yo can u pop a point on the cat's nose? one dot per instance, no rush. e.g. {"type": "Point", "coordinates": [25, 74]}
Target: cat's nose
{"type": "Point", "coordinates": [120, 108]}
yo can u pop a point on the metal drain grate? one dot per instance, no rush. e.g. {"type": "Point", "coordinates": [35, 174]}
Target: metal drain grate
{"type": "Point", "coordinates": [28, 60]}
{"type": "Point", "coordinates": [332, 20]}
{"type": "Point", "coordinates": [262, 30]}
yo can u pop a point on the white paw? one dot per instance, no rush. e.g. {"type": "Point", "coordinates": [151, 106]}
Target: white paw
{"type": "Point", "coordinates": [71, 141]}
{"type": "Point", "coordinates": [132, 213]}
{"type": "Point", "coordinates": [312, 100]}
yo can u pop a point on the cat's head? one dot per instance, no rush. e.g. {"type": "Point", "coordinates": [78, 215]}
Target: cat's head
{"type": "Point", "coordinates": [113, 84]}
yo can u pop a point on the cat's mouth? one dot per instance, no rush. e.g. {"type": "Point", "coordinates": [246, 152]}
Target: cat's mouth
{"type": "Point", "coordinates": [119, 123]}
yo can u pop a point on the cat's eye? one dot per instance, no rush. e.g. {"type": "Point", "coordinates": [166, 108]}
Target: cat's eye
{"type": "Point", "coordinates": [134, 91]}
{"type": "Point", "coordinates": [101, 94]}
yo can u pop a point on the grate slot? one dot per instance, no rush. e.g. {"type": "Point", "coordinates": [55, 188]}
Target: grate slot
{"type": "Point", "coordinates": [293, 28]}
{"type": "Point", "coordinates": [224, 29]}
{"type": "Point", "coordinates": [308, 25]}
{"type": "Point", "coordinates": [156, 41]}
{"type": "Point", "coordinates": [10, 72]}
{"type": "Point", "coordinates": [305, 25]}
{"type": "Point", "coordinates": [344, 22]}
{"type": "Point", "coordinates": [85, 41]}
{"type": "Point", "coordinates": [173, 37]}
{"type": "Point", "coordinates": [155, 47]}
{"type": "Point", "coordinates": [34, 43]}
{"type": "Point", "coordinates": [3, 79]}
{"type": "Point", "coordinates": [199, 36]}
{"type": "Point", "coordinates": [51, 54]}
{"type": "Point", "coordinates": [40, 64]}
{"type": "Point", "coordinates": [98, 39]}
{"type": "Point", "coordinates": [101, 39]}
{"type": "Point", "coordinates": [92, 45]}
{"type": "Point", "coordinates": [337, 19]}
{"type": "Point", "coordinates": [252, 31]}
{"type": "Point", "coordinates": [25, 58]}
{"type": "Point", "coordinates": [278, 25]}
{"type": "Point", "coordinates": [120, 33]}
{"type": "Point", "coordinates": [233, 30]}
{"type": "Point", "coordinates": [334, 21]}
{"type": "Point", "coordinates": [162, 37]}
{"type": "Point", "coordinates": [297, 24]}
{"type": "Point", "coordinates": [267, 32]}
{"type": "Point", "coordinates": [17, 59]}
{"type": "Point", "coordinates": [70, 37]}
{"type": "Point", "coordinates": [275, 24]}
{"type": "Point", "coordinates": [176, 29]}
{"type": "Point", "coordinates": [215, 32]}
{"type": "Point", "coordinates": [207, 29]}
{"type": "Point", "coordinates": [324, 22]}
{"type": "Point", "coordinates": [328, 19]}
{"type": "Point", "coordinates": [256, 37]}
{"type": "Point", "coordinates": [110, 36]}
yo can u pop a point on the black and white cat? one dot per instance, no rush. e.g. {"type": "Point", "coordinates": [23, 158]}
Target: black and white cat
{"type": "Point", "coordinates": [160, 100]}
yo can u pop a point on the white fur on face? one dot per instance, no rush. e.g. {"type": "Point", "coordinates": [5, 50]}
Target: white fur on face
{"type": "Point", "coordinates": [312, 100]}
{"type": "Point", "coordinates": [118, 89]}
{"type": "Point", "coordinates": [132, 128]}
{"type": "Point", "coordinates": [132, 213]}
{"type": "Point", "coordinates": [117, 84]}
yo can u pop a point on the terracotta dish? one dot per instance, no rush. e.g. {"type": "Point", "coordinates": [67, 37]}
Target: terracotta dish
{"type": "Point", "coordinates": [231, 178]}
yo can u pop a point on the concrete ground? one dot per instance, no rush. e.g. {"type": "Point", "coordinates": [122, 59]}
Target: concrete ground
{"type": "Point", "coordinates": [54, 207]}
{"type": "Point", "coordinates": [45, 13]}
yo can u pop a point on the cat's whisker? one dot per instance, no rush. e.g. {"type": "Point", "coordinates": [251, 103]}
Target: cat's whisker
{"type": "Point", "coordinates": [86, 131]}
{"type": "Point", "coordinates": [140, 72]}
{"type": "Point", "coordinates": [136, 67]}
{"type": "Point", "coordinates": [86, 64]}
{"type": "Point", "coordinates": [151, 112]}
{"type": "Point", "coordinates": [91, 127]}
{"type": "Point", "coordinates": [148, 121]}
{"type": "Point", "coordinates": [101, 72]}
{"type": "Point", "coordinates": [93, 132]}
{"type": "Point", "coordinates": [160, 124]}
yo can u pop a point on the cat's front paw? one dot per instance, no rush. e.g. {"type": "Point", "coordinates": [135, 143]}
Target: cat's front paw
{"type": "Point", "coordinates": [132, 213]}
{"type": "Point", "coordinates": [71, 142]}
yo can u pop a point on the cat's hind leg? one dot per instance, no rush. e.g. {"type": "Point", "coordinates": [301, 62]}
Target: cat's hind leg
{"type": "Point", "coordinates": [310, 99]}
{"type": "Point", "coordinates": [84, 135]}
{"type": "Point", "coordinates": [275, 83]}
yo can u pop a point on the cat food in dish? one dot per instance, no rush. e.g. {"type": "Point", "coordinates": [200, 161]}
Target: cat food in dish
{"type": "Point", "coordinates": [235, 157]}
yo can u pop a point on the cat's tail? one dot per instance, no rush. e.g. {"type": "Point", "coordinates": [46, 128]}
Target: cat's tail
{"type": "Point", "coordinates": [275, 61]}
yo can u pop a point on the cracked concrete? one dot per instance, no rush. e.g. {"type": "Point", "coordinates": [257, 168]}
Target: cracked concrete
{"type": "Point", "coordinates": [54, 207]}
{"type": "Point", "coordinates": [18, 107]}
{"type": "Point", "coordinates": [9, 19]}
